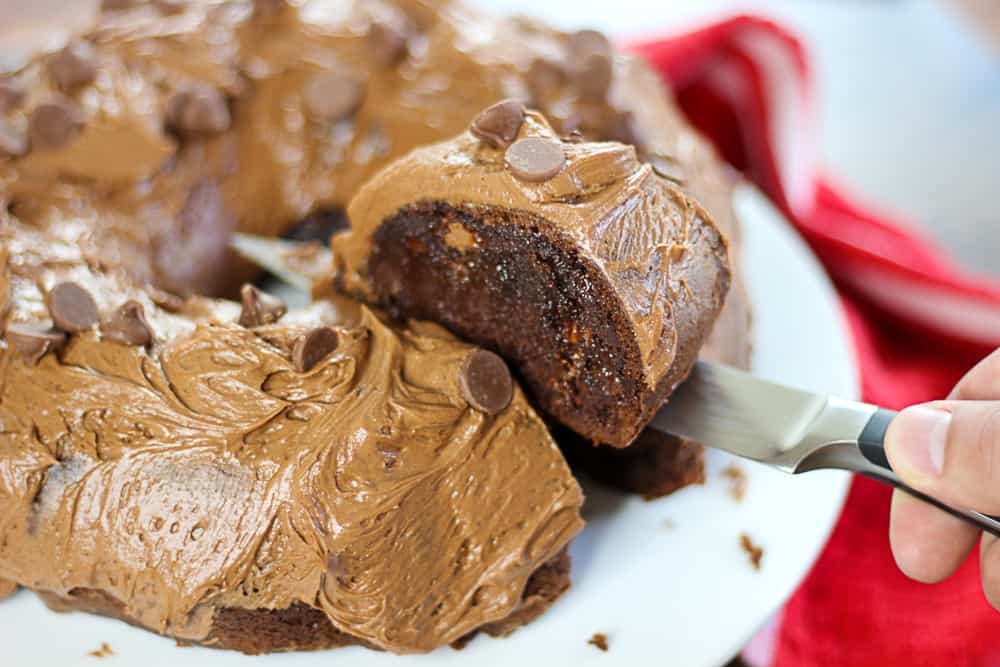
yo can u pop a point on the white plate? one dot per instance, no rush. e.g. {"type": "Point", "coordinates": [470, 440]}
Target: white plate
{"type": "Point", "coordinates": [667, 580]}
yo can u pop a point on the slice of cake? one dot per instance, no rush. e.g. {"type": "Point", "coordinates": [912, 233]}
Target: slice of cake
{"type": "Point", "coordinates": [596, 278]}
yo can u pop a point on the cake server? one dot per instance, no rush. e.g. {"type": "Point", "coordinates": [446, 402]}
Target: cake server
{"type": "Point", "coordinates": [789, 429]}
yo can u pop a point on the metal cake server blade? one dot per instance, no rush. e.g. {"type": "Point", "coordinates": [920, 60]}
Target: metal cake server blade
{"type": "Point", "coordinates": [789, 429]}
{"type": "Point", "coordinates": [298, 263]}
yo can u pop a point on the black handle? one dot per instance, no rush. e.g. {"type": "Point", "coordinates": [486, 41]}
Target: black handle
{"type": "Point", "coordinates": [872, 438]}
{"type": "Point", "coordinates": [871, 442]}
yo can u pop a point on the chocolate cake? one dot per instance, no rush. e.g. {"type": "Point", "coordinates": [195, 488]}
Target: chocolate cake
{"type": "Point", "coordinates": [128, 156]}
{"type": "Point", "coordinates": [232, 475]}
{"type": "Point", "coordinates": [595, 277]}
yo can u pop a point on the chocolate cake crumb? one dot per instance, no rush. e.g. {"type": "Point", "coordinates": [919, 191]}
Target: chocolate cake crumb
{"type": "Point", "coordinates": [600, 640]}
{"type": "Point", "coordinates": [103, 652]}
{"type": "Point", "coordinates": [755, 552]}
{"type": "Point", "coordinates": [737, 479]}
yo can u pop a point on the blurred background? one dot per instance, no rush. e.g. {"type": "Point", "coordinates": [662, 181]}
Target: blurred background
{"type": "Point", "coordinates": [908, 98]}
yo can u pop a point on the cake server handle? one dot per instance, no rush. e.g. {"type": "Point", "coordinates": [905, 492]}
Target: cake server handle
{"type": "Point", "coordinates": [867, 457]}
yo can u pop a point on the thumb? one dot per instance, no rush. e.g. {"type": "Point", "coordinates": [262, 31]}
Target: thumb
{"type": "Point", "coordinates": [949, 450]}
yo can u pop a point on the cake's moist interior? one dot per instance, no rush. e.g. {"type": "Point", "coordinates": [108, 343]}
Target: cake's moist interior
{"type": "Point", "coordinates": [493, 277]}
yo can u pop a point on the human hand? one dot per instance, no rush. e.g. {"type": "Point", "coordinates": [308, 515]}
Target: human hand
{"type": "Point", "coordinates": [950, 450]}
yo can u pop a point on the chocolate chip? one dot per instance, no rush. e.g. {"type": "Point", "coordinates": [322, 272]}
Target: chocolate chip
{"type": "Point", "coordinates": [74, 66]}
{"type": "Point", "coordinates": [621, 127]}
{"type": "Point", "coordinates": [128, 325]}
{"type": "Point", "coordinates": [165, 300]}
{"type": "Point", "coordinates": [310, 348]}
{"type": "Point", "coordinates": [197, 110]}
{"type": "Point", "coordinates": [71, 307]}
{"type": "Point", "coordinates": [259, 307]}
{"type": "Point", "coordinates": [13, 142]}
{"type": "Point", "coordinates": [498, 125]}
{"type": "Point", "coordinates": [54, 124]}
{"type": "Point", "coordinates": [486, 382]}
{"type": "Point", "coordinates": [544, 76]}
{"type": "Point", "coordinates": [332, 96]}
{"type": "Point", "coordinates": [117, 5]}
{"type": "Point", "coordinates": [586, 42]}
{"type": "Point", "coordinates": [12, 94]}
{"type": "Point", "coordinates": [387, 44]}
{"type": "Point", "coordinates": [34, 341]}
{"type": "Point", "coordinates": [535, 159]}
{"type": "Point", "coordinates": [593, 76]}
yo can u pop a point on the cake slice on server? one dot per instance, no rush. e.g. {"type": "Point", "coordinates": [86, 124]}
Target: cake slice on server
{"type": "Point", "coordinates": [596, 278]}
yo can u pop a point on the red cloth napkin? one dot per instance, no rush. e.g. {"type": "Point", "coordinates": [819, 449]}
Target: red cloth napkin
{"type": "Point", "coordinates": [918, 323]}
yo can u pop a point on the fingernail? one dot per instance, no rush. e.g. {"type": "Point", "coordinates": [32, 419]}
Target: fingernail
{"type": "Point", "coordinates": [919, 439]}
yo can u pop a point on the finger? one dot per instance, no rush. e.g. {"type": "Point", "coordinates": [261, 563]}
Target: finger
{"type": "Point", "coordinates": [982, 383]}
{"type": "Point", "coordinates": [989, 566]}
{"type": "Point", "coordinates": [949, 450]}
{"type": "Point", "coordinates": [928, 544]}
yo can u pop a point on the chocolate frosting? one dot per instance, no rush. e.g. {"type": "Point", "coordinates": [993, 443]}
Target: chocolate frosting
{"type": "Point", "coordinates": [204, 472]}
{"type": "Point", "coordinates": [656, 246]}
{"type": "Point", "coordinates": [119, 198]}
{"type": "Point", "coordinates": [279, 160]}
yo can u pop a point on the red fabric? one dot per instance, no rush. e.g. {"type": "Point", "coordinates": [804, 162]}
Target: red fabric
{"type": "Point", "coordinates": [854, 609]}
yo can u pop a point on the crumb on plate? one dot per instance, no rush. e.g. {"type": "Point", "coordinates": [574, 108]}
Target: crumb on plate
{"type": "Point", "coordinates": [755, 552]}
{"type": "Point", "coordinates": [103, 652]}
{"type": "Point", "coordinates": [600, 640]}
{"type": "Point", "coordinates": [737, 482]}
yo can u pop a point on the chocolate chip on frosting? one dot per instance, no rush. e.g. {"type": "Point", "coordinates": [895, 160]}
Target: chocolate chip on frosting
{"type": "Point", "coordinates": [74, 66]}
{"type": "Point", "coordinates": [71, 307]}
{"type": "Point", "coordinates": [593, 76]}
{"type": "Point", "coordinates": [197, 110]}
{"type": "Point", "coordinates": [590, 53]}
{"type": "Point", "coordinates": [128, 325]}
{"type": "Point", "coordinates": [332, 96]}
{"type": "Point", "coordinates": [535, 159]}
{"type": "Point", "coordinates": [34, 341]}
{"type": "Point", "coordinates": [486, 382]}
{"type": "Point", "coordinates": [12, 94]}
{"type": "Point", "coordinates": [544, 76]}
{"type": "Point", "coordinates": [13, 142]}
{"type": "Point", "coordinates": [387, 44]}
{"type": "Point", "coordinates": [310, 348]}
{"type": "Point", "coordinates": [54, 124]}
{"type": "Point", "coordinates": [499, 124]}
{"type": "Point", "coordinates": [259, 307]}
{"type": "Point", "coordinates": [586, 42]}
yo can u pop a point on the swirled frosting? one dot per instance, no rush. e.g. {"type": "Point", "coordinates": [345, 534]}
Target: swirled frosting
{"type": "Point", "coordinates": [206, 472]}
